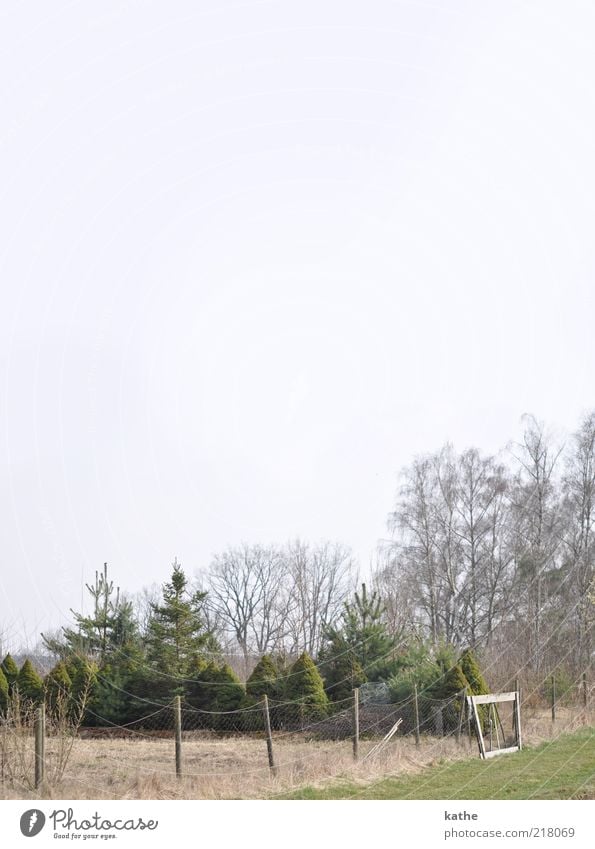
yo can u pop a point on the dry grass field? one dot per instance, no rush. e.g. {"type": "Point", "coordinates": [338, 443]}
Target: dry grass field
{"type": "Point", "coordinates": [237, 767]}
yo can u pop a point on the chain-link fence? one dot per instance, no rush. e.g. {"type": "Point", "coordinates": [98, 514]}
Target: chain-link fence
{"type": "Point", "coordinates": [175, 750]}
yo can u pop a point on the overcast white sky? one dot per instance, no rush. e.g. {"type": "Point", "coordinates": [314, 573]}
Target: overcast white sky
{"type": "Point", "coordinates": [256, 255]}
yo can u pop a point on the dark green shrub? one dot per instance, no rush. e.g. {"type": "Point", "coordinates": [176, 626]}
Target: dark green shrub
{"type": "Point", "coordinates": [218, 692]}
{"type": "Point", "coordinates": [83, 675]}
{"type": "Point", "coordinates": [136, 695]}
{"type": "Point", "coordinates": [199, 692]}
{"type": "Point", "coordinates": [10, 670]}
{"type": "Point", "coordinates": [264, 680]}
{"type": "Point", "coordinates": [3, 692]}
{"type": "Point", "coordinates": [268, 678]}
{"type": "Point", "coordinates": [452, 688]}
{"type": "Point", "coordinates": [29, 683]}
{"type": "Point", "coordinates": [472, 672]}
{"type": "Point", "coordinates": [110, 700]}
{"type": "Point", "coordinates": [58, 688]}
{"type": "Point", "coordinates": [477, 683]}
{"type": "Point", "coordinates": [438, 679]}
{"type": "Point", "coordinates": [450, 684]}
{"type": "Point", "coordinates": [305, 689]}
{"type": "Point", "coordinates": [228, 691]}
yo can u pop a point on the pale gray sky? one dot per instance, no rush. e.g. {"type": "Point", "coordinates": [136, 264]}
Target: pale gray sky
{"type": "Point", "coordinates": [255, 255]}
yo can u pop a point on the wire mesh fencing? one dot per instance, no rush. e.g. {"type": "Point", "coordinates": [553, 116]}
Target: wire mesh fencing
{"type": "Point", "coordinates": [178, 741]}
{"type": "Point", "coordinates": [177, 750]}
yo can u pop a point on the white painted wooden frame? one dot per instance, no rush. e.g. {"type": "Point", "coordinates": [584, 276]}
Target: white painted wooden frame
{"type": "Point", "coordinates": [490, 699]}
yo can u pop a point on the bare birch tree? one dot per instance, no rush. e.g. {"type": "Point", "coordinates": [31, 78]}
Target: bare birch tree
{"type": "Point", "coordinates": [482, 514]}
{"type": "Point", "coordinates": [538, 529]}
{"type": "Point", "coordinates": [579, 539]}
{"type": "Point", "coordinates": [414, 551]}
{"type": "Point", "coordinates": [451, 557]}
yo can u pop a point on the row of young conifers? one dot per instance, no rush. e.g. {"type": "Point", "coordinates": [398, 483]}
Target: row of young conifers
{"type": "Point", "coordinates": [126, 689]}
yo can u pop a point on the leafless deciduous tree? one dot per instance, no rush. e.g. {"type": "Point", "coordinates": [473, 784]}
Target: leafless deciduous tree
{"type": "Point", "coordinates": [398, 594]}
{"type": "Point", "coordinates": [414, 560]}
{"type": "Point", "coordinates": [538, 530]}
{"type": "Point", "coordinates": [247, 589]}
{"type": "Point", "coordinates": [321, 577]}
{"type": "Point", "coordinates": [142, 604]}
{"type": "Point", "coordinates": [278, 599]}
{"type": "Point", "coordinates": [485, 547]}
{"type": "Point", "coordinates": [451, 554]}
{"type": "Point", "coordinates": [480, 528]}
{"type": "Point", "coordinates": [579, 538]}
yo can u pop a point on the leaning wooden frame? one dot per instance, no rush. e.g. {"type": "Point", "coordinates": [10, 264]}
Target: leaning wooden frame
{"type": "Point", "coordinates": [494, 699]}
{"type": "Point", "coordinates": [379, 746]}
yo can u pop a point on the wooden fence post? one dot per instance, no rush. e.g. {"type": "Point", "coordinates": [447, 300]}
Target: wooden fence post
{"type": "Point", "coordinates": [416, 709]}
{"type": "Point", "coordinates": [356, 723]}
{"type": "Point", "coordinates": [516, 689]}
{"type": "Point", "coordinates": [178, 732]}
{"type": "Point", "coordinates": [39, 728]}
{"type": "Point", "coordinates": [461, 717]}
{"type": "Point", "coordinates": [438, 723]}
{"type": "Point", "coordinates": [585, 692]}
{"type": "Point", "coordinates": [517, 719]}
{"type": "Point", "coordinates": [553, 698]}
{"type": "Point", "coordinates": [267, 728]}
{"type": "Point", "coordinates": [490, 727]}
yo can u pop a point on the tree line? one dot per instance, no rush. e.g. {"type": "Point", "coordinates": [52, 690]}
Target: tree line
{"type": "Point", "coordinates": [498, 552]}
{"type": "Point", "coordinates": [111, 673]}
{"type": "Point", "coordinates": [488, 554]}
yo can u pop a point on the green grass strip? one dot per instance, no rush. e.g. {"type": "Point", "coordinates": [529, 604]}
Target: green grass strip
{"type": "Point", "coordinates": [559, 769]}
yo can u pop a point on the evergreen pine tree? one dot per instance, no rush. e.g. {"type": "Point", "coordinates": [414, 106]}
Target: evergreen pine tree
{"type": "Point", "coordinates": [103, 652]}
{"type": "Point", "coordinates": [105, 632]}
{"type": "Point", "coordinates": [124, 672]}
{"type": "Point", "coordinates": [341, 675]}
{"type": "Point", "coordinates": [418, 665]}
{"type": "Point", "coordinates": [11, 671]}
{"type": "Point", "coordinates": [363, 632]}
{"type": "Point", "coordinates": [29, 683]}
{"type": "Point", "coordinates": [306, 688]}
{"type": "Point", "coordinates": [177, 629]}
{"type": "Point", "coordinates": [445, 657]}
